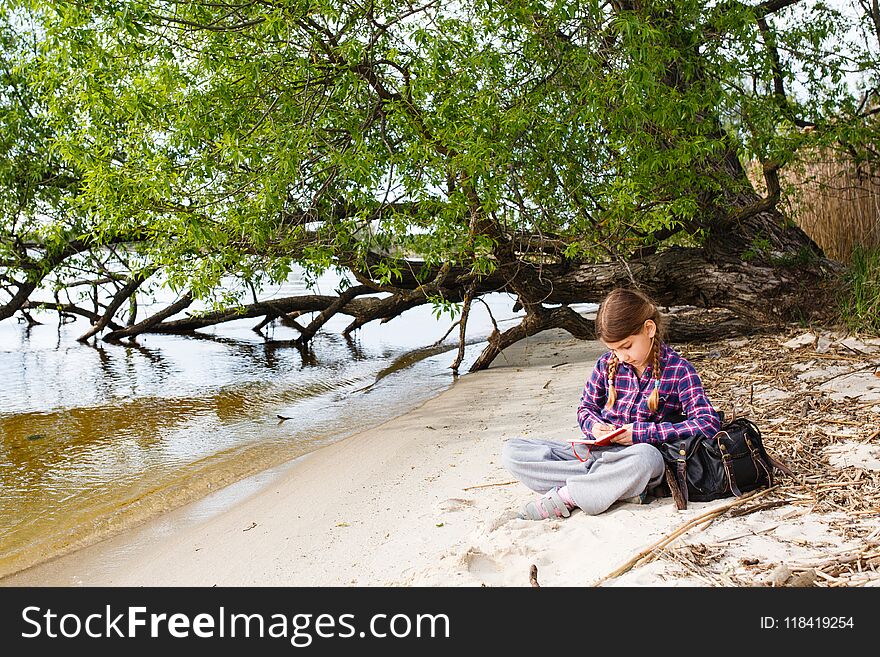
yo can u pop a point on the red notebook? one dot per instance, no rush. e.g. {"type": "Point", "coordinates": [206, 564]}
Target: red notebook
{"type": "Point", "coordinates": [597, 443]}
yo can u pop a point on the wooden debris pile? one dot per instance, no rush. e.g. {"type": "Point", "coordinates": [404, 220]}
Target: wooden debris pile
{"type": "Point", "coordinates": [809, 394]}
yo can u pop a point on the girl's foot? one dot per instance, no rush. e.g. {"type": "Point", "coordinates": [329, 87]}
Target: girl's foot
{"type": "Point", "coordinates": [556, 503]}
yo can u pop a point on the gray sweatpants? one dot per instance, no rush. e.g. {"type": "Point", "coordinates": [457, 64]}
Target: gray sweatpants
{"type": "Point", "coordinates": [609, 474]}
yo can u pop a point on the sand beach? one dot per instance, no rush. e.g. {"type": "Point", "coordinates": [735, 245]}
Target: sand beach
{"type": "Point", "coordinates": [422, 499]}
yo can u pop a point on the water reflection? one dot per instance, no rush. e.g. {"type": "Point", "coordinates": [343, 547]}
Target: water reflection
{"type": "Point", "coordinates": [96, 437]}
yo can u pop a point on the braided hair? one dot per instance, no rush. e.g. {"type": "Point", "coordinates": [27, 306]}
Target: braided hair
{"type": "Point", "coordinates": [654, 358]}
{"type": "Point", "coordinates": [623, 313]}
{"type": "Point", "coordinates": [612, 370]}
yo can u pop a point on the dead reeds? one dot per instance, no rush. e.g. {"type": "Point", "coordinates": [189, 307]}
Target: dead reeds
{"type": "Point", "coordinates": [837, 203]}
{"type": "Point", "coordinates": [834, 200]}
{"type": "Point", "coordinates": [799, 420]}
{"type": "Point", "coordinates": [787, 392]}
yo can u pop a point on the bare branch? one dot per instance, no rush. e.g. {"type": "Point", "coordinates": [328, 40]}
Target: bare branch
{"type": "Point", "coordinates": [67, 308]}
{"type": "Point", "coordinates": [462, 326]}
{"type": "Point", "coordinates": [118, 299]}
{"type": "Point", "coordinates": [308, 332]}
{"type": "Point", "coordinates": [151, 321]}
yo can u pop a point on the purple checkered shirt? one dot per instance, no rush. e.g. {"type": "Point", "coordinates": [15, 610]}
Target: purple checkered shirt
{"type": "Point", "coordinates": [681, 392]}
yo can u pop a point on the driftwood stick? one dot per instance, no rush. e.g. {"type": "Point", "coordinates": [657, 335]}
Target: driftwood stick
{"type": "Point", "coordinates": [855, 371]}
{"type": "Point", "coordinates": [847, 557]}
{"type": "Point", "coordinates": [533, 576]}
{"type": "Point", "coordinates": [501, 483]}
{"type": "Point", "coordinates": [759, 507]}
{"type": "Point", "coordinates": [649, 554]}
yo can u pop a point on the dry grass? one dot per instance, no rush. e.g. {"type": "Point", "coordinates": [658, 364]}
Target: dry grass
{"type": "Point", "coordinates": [837, 204]}
{"type": "Point", "coordinates": [798, 419]}
{"type": "Point", "coordinates": [834, 201]}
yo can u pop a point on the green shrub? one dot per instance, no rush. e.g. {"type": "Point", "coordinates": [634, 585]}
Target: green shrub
{"type": "Point", "coordinates": [860, 305]}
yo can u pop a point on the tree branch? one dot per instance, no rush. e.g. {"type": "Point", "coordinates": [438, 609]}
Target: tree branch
{"type": "Point", "coordinates": [144, 326]}
{"type": "Point", "coordinates": [309, 331]}
{"type": "Point", "coordinates": [771, 178]}
{"type": "Point", "coordinates": [772, 6]}
{"type": "Point", "coordinates": [118, 299]}
{"type": "Point", "coordinates": [68, 308]}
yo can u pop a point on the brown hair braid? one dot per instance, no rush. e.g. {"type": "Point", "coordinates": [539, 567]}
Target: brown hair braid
{"type": "Point", "coordinates": [654, 399]}
{"type": "Point", "coordinates": [612, 370]}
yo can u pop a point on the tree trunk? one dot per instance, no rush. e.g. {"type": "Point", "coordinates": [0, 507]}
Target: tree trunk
{"type": "Point", "coordinates": [754, 262]}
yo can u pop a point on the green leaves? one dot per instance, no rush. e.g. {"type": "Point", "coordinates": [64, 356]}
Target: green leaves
{"type": "Point", "coordinates": [441, 307]}
{"type": "Point", "coordinates": [242, 139]}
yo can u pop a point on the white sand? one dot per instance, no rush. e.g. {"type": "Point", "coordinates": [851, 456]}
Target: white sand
{"type": "Point", "coordinates": [401, 504]}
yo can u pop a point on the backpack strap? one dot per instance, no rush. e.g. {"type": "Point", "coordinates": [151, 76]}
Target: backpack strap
{"type": "Point", "coordinates": [725, 460]}
{"type": "Point", "coordinates": [681, 473]}
{"type": "Point", "coordinates": [762, 451]}
{"type": "Point", "coordinates": [759, 461]}
{"type": "Point", "coordinates": [675, 489]}
{"type": "Point", "coordinates": [784, 469]}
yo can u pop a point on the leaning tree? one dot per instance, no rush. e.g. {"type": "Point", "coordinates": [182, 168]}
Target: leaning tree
{"type": "Point", "coordinates": [433, 152]}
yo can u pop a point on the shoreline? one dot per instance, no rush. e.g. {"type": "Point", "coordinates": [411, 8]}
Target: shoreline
{"type": "Point", "coordinates": [333, 501]}
{"type": "Point", "coordinates": [422, 500]}
{"type": "Point", "coordinates": [141, 501]}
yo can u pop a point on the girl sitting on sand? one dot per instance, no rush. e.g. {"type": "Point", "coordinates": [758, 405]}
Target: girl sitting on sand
{"type": "Point", "coordinates": [640, 384]}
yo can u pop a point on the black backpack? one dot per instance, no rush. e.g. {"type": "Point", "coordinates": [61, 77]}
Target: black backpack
{"type": "Point", "coordinates": [732, 462]}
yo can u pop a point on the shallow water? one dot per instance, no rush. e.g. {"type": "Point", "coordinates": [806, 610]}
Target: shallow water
{"type": "Point", "coordinates": [95, 438]}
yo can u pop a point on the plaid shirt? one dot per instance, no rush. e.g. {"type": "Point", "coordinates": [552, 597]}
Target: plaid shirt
{"type": "Point", "coordinates": [681, 392]}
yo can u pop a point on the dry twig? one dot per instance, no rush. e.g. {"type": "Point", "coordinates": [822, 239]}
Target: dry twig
{"type": "Point", "coordinates": [649, 554]}
{"type": "Point", "coordinates": [533, 576]}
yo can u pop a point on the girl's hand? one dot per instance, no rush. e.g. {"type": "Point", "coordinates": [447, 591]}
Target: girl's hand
{"type": "Point", "coordinates": [599, 431]}
{"type": "Point", "coordinates": [625, 438]}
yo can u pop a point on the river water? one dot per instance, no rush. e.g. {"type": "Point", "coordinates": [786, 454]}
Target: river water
{"type": "Point", "coordinates": [97, 437]}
